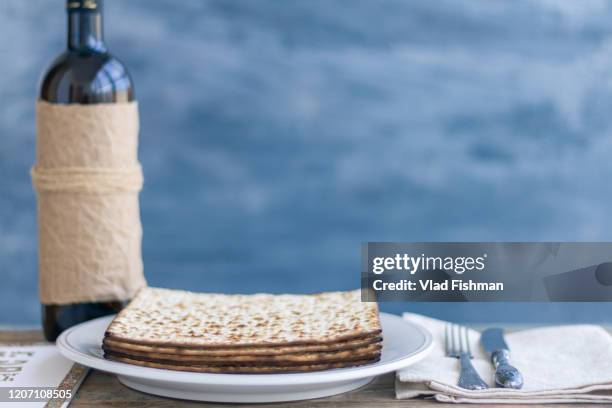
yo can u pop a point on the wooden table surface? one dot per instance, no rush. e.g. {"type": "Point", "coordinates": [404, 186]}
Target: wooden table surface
{"type": "Point", "coordinates": [103, 390]}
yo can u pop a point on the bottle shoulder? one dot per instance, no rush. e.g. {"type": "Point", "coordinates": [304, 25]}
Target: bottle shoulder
{"type": "Point", "coordinates": [86, 77]}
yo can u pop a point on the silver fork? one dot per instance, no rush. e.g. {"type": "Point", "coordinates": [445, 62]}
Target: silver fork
{"type": "Point", "coordinates": [457, 343]}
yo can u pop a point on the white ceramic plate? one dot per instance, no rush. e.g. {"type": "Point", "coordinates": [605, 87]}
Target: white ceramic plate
{"type": "Point", "coordinates": [404, 344]}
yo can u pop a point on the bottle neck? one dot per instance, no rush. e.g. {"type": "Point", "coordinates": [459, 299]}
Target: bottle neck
{"type": "Point", "coordinates": [85, 28]}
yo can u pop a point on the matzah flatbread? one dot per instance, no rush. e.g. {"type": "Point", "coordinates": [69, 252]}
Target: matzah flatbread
{"type": "Point", "coordinates": [362, 353]}
{"type": "Point", "coordinates": [260, 333]}
{"type": "Point", "coordinates": [128, 348]}
{"type": "Point", "coordinates": [163, 317]}
{"type": "Point", "coordinates": [241, 369]}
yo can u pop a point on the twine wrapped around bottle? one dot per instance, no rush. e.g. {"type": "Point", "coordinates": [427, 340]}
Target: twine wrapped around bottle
{"type": "Point", "coordinates": [87, 178]}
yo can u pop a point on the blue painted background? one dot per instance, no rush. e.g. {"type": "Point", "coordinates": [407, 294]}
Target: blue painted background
{"type": "Point", "coordinates": [279, 135]}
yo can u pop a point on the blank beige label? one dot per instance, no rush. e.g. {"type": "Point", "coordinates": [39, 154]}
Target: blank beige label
{"type": "Point", "coordinates": [87, 179]}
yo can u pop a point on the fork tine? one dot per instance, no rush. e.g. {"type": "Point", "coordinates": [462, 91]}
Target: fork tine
{"type": "Point", "coordinates": [453, 348]}
{"type": "Point", "coordinates": [456, 340]}
{"type": "Point", "coordinates": [467, 341]}
{"type": "Point", "coordinates": [459, 339]}
{"type": "Point", "coordinates": [447, 340]}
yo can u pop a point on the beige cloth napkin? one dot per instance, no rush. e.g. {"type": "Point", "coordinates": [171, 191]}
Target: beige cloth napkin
{"type": "Point", "coordinates": [561, 364]}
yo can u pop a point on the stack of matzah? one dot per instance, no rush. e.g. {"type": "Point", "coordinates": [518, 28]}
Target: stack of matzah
{"type": "Point", "coordinates": [260, 333]}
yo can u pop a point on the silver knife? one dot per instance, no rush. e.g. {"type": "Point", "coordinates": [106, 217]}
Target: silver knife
{"type": "Point", "coordinates": [506, 375]}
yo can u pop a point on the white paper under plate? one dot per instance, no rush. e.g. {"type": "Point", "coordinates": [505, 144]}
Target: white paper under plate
{"type": "Point", "coordinates": [404, 344]}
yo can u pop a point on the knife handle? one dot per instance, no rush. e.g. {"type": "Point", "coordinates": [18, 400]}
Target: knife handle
{"type": "Point", "coordinates": [506, 375]}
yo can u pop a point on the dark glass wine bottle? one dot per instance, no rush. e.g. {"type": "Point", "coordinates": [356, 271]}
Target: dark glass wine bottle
{"type": "Point", "coordinates": [86, 73]}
